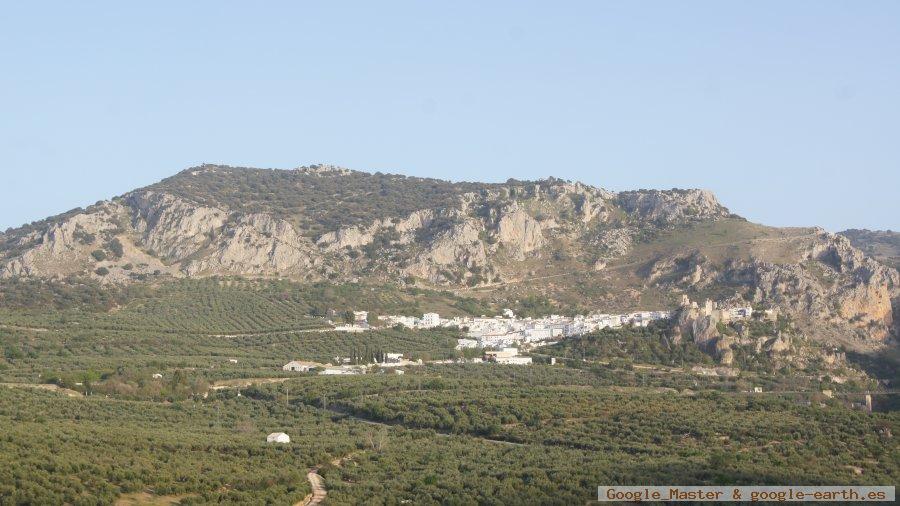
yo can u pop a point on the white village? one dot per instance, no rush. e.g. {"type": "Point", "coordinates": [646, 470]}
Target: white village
{"type": "Point", "coordinates": [501, 338]}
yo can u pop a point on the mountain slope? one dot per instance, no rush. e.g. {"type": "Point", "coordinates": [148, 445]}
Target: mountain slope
{"type": "Point", "coordinates": [316, 222]}
{"type": "Point", "coordinates": [882, 245]}
{"type": "Point", "coordinates": [575, 245]}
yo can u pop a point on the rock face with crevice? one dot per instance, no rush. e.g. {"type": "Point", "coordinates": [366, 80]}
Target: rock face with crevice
{"type": "Point", "coordinates": [672, 206]}
{"type": "Point", "coordinates": [520, 233]}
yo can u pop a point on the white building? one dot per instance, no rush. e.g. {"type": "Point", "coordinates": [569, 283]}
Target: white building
{"type": "Point", "coordinates": [351, 328]}
{"type": "Point", "coordinates": [344, 370]}
{"type": "Point", "coordinates": [540, 334]}
{"type": "Point", "coordinates": [496, 355]}
{"type": "Point", "coordinates": [300, 366]}
{"type": "Point", "coordinates": [462, 344]}
{"type": "Point", "coordinates": [513, 360]}
{"type": "Point", "coordinates": [406, 321]}
{"type": "Point", "coordinates": [278, 437]}
{"type": "Point", "coordinates": [430, 320]}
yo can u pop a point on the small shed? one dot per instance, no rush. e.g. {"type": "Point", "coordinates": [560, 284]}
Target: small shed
{"type": "Point", "coordinates": [278, 437]}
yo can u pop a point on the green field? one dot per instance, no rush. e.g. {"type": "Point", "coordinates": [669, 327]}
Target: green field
{"type": "Point", "coordinates": [437, 435]}
{"type": "Point", "coordinates": [85, 422]}
{"type": "Point", "coordinates": [212, 306]}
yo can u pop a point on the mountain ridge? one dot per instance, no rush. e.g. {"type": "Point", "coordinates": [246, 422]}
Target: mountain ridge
{"type": "Point", "coordinates": [571, 243]}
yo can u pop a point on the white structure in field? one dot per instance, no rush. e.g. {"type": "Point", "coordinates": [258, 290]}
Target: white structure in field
{"type": "Point", "coordinates": [352, 328]}
{"type": "Point", "coordinates": [278, 437]}
{"type": "Point", "coordinates": [514, 360]}
{"type": "Point", "coordinates": [300, 366]}
{"type": "Point", "coordinates": [493, 355]}
{"type": "Point", "coordinates": [343, 370]}
{"type": "Point", "coordinates": [506, 356]}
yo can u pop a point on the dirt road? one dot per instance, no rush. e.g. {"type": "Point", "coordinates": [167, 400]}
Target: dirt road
{"type": "Point", "coordinates": [318, 488]}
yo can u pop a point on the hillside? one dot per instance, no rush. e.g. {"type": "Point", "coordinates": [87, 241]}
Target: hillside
{"type": "Point", "coordinates": [566, 246]}
{"type": "Point", "coordinates": [883, 245]}
{"type": "Point", "coordinates": [170, 311]}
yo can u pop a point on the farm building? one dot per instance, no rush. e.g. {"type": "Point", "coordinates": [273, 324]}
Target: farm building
{"type": "Point", "coordinates": [300, 366]}
{"type": "Point", "coordinates": [278, 437]}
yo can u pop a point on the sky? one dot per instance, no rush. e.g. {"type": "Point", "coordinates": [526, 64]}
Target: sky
{"type": "Point", "coordinates": [788, 111]}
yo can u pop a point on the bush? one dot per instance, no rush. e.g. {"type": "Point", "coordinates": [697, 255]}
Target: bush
{"type": "Point", "coordinates": [99, 255]}
{"type": "Point", "coordinates": [115, 247]}
{"type": "Point", "coordinates": [102, 271]}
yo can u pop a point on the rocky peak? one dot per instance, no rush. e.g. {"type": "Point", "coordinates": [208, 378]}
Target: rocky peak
{"type": "Point", "coordinates": [320, 169]}
{"type": "Point", "coordinates": [672, 206]}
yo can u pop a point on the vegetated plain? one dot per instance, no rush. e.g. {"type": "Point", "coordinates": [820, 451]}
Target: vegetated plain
{"type": "Point", "coordinates": [617, 409]}
{"type": "Point", "coordinates": [439, 434]}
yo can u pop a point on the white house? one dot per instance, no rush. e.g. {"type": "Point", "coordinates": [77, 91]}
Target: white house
{"type": "Point", "coordinates": [494, 355]}
{"type": "Point", "coordinates": [360, 317]}
{"type": "Point", "coordinates": [300, 366]}
{"type": "Point", "coordinates": [514, 360]}
{"type": "Point", "coordinates": [430, 320]}
{"type": "Point", "coordinates": [466, 343]}
{"type": "Point", "coordinates": [278, 437]}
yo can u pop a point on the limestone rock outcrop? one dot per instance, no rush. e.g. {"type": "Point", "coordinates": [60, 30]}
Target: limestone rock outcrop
{"type": "Point", "coordinates": [672, 206]}
{"type": "Point", "coordinates": [257, 244]}
{"type": "Point", "coordinates": [172, 227]}
{"type": "Point", "coordinates": [520, 233]}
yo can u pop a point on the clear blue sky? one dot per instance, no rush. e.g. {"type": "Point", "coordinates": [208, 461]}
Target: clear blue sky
{"type": "Point", "coordinates": [789, 111]}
